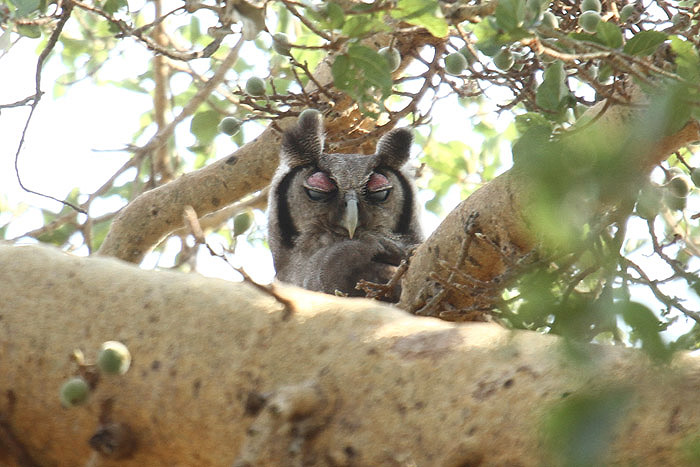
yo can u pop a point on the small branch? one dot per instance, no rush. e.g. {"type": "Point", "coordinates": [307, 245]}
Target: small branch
{"type": "Point", "coordinates": [192, 223]}
{"type": "Point", "coordinates": [50, 44]}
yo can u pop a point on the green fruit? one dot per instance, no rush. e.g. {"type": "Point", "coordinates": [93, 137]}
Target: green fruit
{"type": "Point", "coordinates": [629, 13]}
{"type": "Point", "coordinates": [680, 21]}
{"type": "Point", "coordinates": [589, 21]}
{"type": "Point", "coordinates": [281, 44]}
{"type": "Point", "coordinates": [392, 56]}
{"type": "Point", "coordinates": [504, 60]}
{"type": "Point", "coordinates": [695, 176]}
{"type": "Point", "coordinates": [679, 185]}
{"type": "Point", "coordinates": [75, 391]}
{"type": "Point", "coordinates": [255, 86]}
{"type": "Point", "coordinates": [649, 202]}
{"type": "Point", "coordinates": [591, 5]}
{"type": "Point", "coordinates": [229, 126]}
{"type": "Point", "coordinates": [241, 223]}
{"type": "Point", "coordinates": [455, 63]}
{"type": "Point", "coordinates": [471, 58]}
{"type": "Point", "coordinates": [676, 203]}
{"type": "Point", "coordinates": [550, 21]}
{"type": "Point", "coordinates": [114, 358]}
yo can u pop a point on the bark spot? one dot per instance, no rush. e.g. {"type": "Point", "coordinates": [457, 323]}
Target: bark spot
{"type": "Point", "coordinates": [232, 160]}
{"type": "Point", "coordinates": [484, 390]}
{"type": "Point", "coordinates": [154, 212]}
{"type": "Point", "coordinates": [215, 201]}
{"type": "Point", "coordinates": [508, 383]}
{"type": "Point", "coordinates": [155, 365]}
{"type": "Point", "coordinates": [254, 403]}
{"type": "Point", "coordinates": [428, 344]}
{"type": "Point", "coordinates": [196, 386]}
{"type": "Point", "coordinates": [114, 441]}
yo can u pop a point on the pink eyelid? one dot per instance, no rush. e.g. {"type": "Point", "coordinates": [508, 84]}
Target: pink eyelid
{"type": "Point", "coordinates": [320, 181]}
{"type": "Point", "coordinates": [378, 182]}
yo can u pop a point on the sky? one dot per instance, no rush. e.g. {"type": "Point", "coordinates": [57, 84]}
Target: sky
{"type": "Point", "coordinates": [77, 140]}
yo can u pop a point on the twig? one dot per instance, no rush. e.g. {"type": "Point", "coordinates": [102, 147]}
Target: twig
{"type": "Point", "coordinates": [50, 44]}
{"type": "Point", "coordinates": [192, 223]}
{"type": "Point", "coordinates": [377, 291]}
{"type": "Point", "coordinates": [164, 133]}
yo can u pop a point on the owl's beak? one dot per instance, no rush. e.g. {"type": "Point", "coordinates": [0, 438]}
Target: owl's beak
{"type": "Point", "coordinates": [350, 215]}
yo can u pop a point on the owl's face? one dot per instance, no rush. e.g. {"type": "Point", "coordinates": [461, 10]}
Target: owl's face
{"type": "Point", "coordinates": [346, 195]}
{"type": "Point", "coordinates": [341, 195]}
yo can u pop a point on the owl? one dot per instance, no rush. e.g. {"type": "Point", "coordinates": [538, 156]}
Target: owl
{"type": "Point", "coordinates": [334, 219]}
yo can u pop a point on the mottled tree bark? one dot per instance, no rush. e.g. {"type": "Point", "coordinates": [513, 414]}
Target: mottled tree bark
{"type": "Point", "coordinates": [218, 375]}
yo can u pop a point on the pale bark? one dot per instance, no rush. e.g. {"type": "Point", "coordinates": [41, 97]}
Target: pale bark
{"type": "Point", "coordinates": [347, 381]}
{"type": "Point", "coordinates": [503, 235]}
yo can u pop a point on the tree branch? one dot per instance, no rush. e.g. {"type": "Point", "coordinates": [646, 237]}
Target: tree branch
{"type": "Point", "coordinates": [342, 381]}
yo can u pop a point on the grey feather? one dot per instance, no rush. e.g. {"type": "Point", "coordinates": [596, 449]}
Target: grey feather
{"type": "Point", "coordinates": [334, 219]}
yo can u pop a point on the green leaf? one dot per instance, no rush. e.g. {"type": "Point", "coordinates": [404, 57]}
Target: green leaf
{"type": "Point", "coordinates": [112, 6]}
{"type": "Point", "coordinates": [361, 71]}
{"type": "Point", "coordinates": [580, 429]}
{"type": "Point", "coordinates": [25, 7]}
{"type": "Point", "coordinates": [610, 34]}
{"type": "Point", "coordinates": [687, 60]}
{"type": "Point", "coordinates": [510, 14]}
{"type": "Point", "coordinates": [335, 15]}
{"type": "Point", "coordinates": [644, 43]}
{"type": "Point", "coordinates": [551, 93]}
{"type": "Point", "coordinates": [645, 328]}
{"type": "Point", "coordinates": [529, 120]}
{"type": "Point", "coordinates": [31, 31]}
{"type": "Point", "coordinates": [422, 13]}
{"type": "Point", "coordinates": [204, 126]}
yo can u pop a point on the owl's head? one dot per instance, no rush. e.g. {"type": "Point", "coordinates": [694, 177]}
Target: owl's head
{"type": "Point", "coordinates": [345, 195]}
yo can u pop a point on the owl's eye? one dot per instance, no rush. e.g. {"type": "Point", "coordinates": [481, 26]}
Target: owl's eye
{"type": "Point", "coordinates": [319, 187]}
{"type": "Point", "coordinates": [318, 195]}
{"type": "Point", "coordinates": [378, 196]}
{"type": "Point", "coordinates": [378, 188]}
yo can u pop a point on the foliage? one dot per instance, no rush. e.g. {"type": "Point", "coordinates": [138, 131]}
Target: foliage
{"type": "Point", "coordinates": [624, 276]}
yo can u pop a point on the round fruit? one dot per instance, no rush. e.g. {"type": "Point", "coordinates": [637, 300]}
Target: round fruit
{"type": "Point", "coordinates": [649, 202]}
{"type": "Point", "coordinates": [677, 203]}
{"type": "Point", "coordinates": [241, 223]}
{"type": "Point", "coordinates": [307, 113]}
{"type": "Point", "coordinates": [455, 63]}
{"type": "Point", "coordinates": [114, 358]}
{"type": "Point", "coordinates": [280, 44]}
{"type": "Point", "coordinates": [549, 20]}
{"type": "Point", "coordinates": [591, 5]}
{"type": "Point", "coordinates": [75, 391]}
{"type": "Point", "coordinates": [392, 56]}
{"type": "Point", "coordinates": [504, 60]}
{"type": "Point", "coordinates": [229, 126]}
{"type": "Point", "coordinates": [629, 13]}
{"type": "Point", "coordinates": [695, 176]}
{"type": "Point", "coordinates": [471, 58]}
{"type": "Point", "coordinates": [589, 21]}
{"type": "Point", "coordinates": [255, 86]}
{"type": "Point", "coordinates": [679, 185]}
{"type": "Point", "coordinates": [680, 21]}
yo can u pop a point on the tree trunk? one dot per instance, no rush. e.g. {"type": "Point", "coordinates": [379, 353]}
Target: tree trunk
{"type": "Point", "coordinates": [219, 375]}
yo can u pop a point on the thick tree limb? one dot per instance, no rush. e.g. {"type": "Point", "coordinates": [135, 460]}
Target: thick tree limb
{"type": "Point", "coordinates": [217, 376]}
{"type": "Point", "coordinates": [504, 236]}
{"type": "Point", "coordinates": [156, 213]}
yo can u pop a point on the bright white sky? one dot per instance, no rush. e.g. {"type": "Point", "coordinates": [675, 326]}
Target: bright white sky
{"type": "Point", "coordinates": [59, 152]}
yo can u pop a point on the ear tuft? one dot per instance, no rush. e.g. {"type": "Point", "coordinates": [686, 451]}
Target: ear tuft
{"type": "Point", "coordinates": [394, 148]}
{"type": "Point", "coordinates": [303, 143]}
